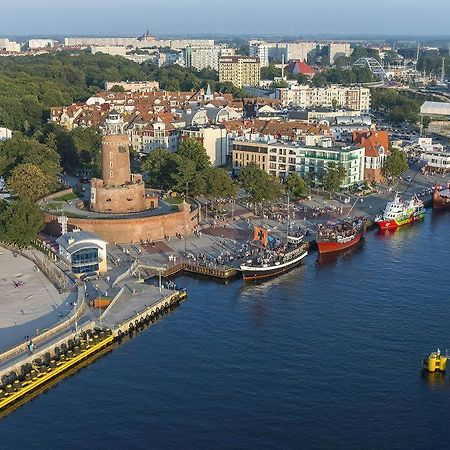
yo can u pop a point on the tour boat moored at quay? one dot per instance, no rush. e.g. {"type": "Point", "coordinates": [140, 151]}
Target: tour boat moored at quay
{"type": "Point", "coordinates": [399, 212]}
{"type": "Point", "coordinates": [340, 235]}
{"type": "Point", "coordinates": [441, 198]}
{"type": "Point", "coordinates": [271, 256]}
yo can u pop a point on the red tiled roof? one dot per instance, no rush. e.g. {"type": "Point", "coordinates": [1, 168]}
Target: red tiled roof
{"type": "Point", "coordinates": [300, 67]}
{"type": "Point", "coordinates": [372, 141]}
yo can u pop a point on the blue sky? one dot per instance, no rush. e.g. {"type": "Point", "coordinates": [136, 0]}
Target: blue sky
{"type": "Point", "coordinates": [256, 17]}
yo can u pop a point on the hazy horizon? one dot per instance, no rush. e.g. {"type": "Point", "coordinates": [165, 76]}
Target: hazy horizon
{"type": "Point", "coordinates": [232, 18]}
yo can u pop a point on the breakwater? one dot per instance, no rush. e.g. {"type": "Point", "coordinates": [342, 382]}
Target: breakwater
{"type": "Point", "coordinates": [31, 374]}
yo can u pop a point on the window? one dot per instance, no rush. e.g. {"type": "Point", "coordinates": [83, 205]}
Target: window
{"type": "Point", "coordinates": [110, 164]}
{"type": "Point", "coordinates": [111, 174]}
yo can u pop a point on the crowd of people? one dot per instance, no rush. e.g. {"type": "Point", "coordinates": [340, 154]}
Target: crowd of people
{"type": "Point", "coordinates": [341, 229]}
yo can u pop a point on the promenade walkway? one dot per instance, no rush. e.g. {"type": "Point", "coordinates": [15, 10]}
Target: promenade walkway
{"type": "Point", "coordinates": [29, 302]}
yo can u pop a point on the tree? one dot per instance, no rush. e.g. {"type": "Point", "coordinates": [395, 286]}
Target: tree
{"type": "Point", "coordinates": [188, 179]}
{"type": "Point", "coordinates": [194, 151]}
{"type": "Point", "coordinates": [270, 72]}
{"type": "Point", "coordinates": [20, 222]}
{"type": "Point", "coordinates": [296, 185]}
{"type": "Point", "coordinates": [162, 168]}
{"type": "Point", "coordinates": [333, 177]}
{"type": "Point", "coordinates": [426, 121]}
{"type": "Point", "coordinates": [396, 164]}
{"type": "Point", "coordinates": [258, 184]}
{"type": "Point", "coordinates": [219, 184]}
{"type": "Point", "coordinates": [28, 181]}
{"type": "Point", "coordinates": [117, 88]}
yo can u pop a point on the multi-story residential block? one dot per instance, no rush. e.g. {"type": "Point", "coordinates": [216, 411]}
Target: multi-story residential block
{"type": "Point", "coordinates": [336, 49]}
{"type": "Point", "coordinates": [279, 159]}
{"type": "Point", "coordinates": [240, 70]}
{"type": "Point", "coordinates": [134, 86]}
{"type": "Point", "coordinates": [202, 57]}
{"type": "Point", "coordinates": [213, 139]}
{"type": "Point", "coordinates": [112, 50]}
{"type": "Point", "coordinates": [299, 50]}
{"type": "Point", "coordinates": [342, 128]}
{"type": "Point", "coordinates": [147, 40]}
{"type": "Point", "coordinates": [260, 49]}
{"type": "Point", "coordinates": [9, 46]}
{"type": "Point", "coordinates": [34, 44]}
{"type": "Point", "coordinates": [356, 98]}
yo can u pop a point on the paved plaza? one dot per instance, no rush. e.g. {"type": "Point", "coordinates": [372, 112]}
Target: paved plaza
{"type": "Point", "coordinates": [28, 300]}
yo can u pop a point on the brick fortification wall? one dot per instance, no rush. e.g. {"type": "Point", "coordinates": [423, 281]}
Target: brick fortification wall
{"type": "Point", "coordinates": [125, 231]}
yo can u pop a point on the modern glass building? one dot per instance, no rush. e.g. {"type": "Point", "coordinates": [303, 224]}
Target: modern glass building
{"type": "Point", "coordinates": [83, 252]}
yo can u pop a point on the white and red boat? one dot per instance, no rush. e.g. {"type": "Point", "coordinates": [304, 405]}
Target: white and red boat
{"type": "Point", "coordinates": [399, 212]}
{"type": "Point", "coordinates": [337, 236]}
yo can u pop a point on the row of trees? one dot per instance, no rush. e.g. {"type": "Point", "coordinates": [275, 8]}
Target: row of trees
{"type": "Point", "coordinates": [400, 106]}
{"type": "Point", "coordinates": [189, 170]}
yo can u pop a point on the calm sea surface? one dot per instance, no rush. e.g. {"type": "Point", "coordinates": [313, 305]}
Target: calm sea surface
{"type": "Point", "coordinates": [326, 356]}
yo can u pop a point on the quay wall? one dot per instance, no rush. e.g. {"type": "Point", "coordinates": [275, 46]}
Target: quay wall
{"type": "Point", "coordinates": [120, 329]}
{"type": "Point", "coordinates": [40, 352]}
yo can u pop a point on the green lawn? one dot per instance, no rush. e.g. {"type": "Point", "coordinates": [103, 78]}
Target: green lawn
{"type": "Point", "coordinates": [53, 206]}
{"type": "Point", "coordinates": [66, 197]}
{"type": "Point", "coordinates": [173, 200]}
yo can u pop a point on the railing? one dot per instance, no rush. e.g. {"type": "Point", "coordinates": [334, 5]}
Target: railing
{"type": "Point", "coordinates": [127, 273]}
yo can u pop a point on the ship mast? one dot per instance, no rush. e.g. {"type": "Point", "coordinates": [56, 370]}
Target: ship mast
{"type": "Point", "coordinates": [288, 218]}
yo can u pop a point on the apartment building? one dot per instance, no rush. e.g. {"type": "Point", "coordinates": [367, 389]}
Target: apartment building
{"type": "Point", "coordinates": [134, 86]}
{"type": "Point", "coordinates": [109, 50]}
{"type": "Point", "coordinates": [9, 46]}
{"type": "Point", "coordinates": [202, 57]}
{"type": "Point", "coordinates": [279, 159]}
{"type": "Point", "coordinates": [299, 50]}
{"type": "Point", "coordinates": [336, 49]}
{"type": "Point", "coordinates": [213, 139]}
{"type": "Point", "coordinates": [356, 98]}
{"type": "Point", "coordinates": [240, 70]}
{"type": "Point", "coordinates": [34, 44]}
{"type": "Point", "coordinates": [146, 40]}
{"type": "Point", "coordinates": [260, 49]}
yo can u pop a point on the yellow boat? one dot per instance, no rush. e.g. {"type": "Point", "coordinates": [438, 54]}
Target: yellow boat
{"type": "Point", "coordinates": [435, 362]}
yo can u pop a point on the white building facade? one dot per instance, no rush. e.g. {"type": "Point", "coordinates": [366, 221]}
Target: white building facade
{"type": "Point", "coordinates": [202, 57]}
{"type": "Point", "coordinates": [356, 98]}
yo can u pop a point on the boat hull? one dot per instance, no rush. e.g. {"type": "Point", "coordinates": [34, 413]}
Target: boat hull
{"type": "Point", "coordinates": [330, 247]}
{"type": "Point", "coordinates": [440, 202]}
{"type": "Point", "coordinates": [394, 224]}
{"type": "Point", "coordinates": [257, 273]}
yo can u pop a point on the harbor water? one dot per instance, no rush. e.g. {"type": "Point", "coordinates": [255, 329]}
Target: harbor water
{"type": "Point", "coordinates": [326, 356]}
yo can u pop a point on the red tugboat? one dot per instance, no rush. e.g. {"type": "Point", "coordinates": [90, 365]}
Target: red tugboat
{"type": "Point", "coordinates": [441, 198]}
{"type": "Point", "coordinates": [337, 236]}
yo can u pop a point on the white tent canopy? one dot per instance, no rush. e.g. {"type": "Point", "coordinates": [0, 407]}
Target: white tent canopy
{"type": "Point", "coordinates": [435, 108]}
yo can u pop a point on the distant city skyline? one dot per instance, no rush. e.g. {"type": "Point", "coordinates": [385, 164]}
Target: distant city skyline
{"type": "Point", "coordinates": [200, 17]}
